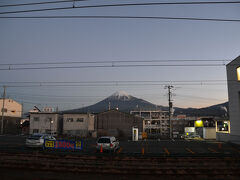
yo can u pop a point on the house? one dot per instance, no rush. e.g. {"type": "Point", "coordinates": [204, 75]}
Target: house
{"type": "Point", "coordinates": [117, 123]}
{"type": "Point", "coordinates": [78, 124]}
{"type": "Point", "coordinates": [46, 122]}
{"type": "Point", "coordinates": [233, 81]}
{"type": "Point", "coordinates": [12, 113]}
{"type": "Point", "coordinates": [11, 108]}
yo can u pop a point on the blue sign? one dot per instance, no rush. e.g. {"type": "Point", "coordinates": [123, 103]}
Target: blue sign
{"type": "Point", "coordinates": [63, 144]}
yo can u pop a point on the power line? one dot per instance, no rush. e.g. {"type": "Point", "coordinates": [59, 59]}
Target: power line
{"type": "Point", "coordinates": [110, 66]}
{"type": "Point", "coordinates": [120, 5]}
{"type": "Point", "coordinates": [95, 82]}
{"type": "Point", "coordinates": [115, 61]}
{"type": "Point", "coordinates": [109, 85]}
{"type": "Point", "coordinates": [121, 17]}
{"type": "Point", "coordinates": [41, 3]}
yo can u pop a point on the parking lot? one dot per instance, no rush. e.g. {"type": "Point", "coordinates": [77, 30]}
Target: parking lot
{"type": "Point", "coordinates": [149, 147]}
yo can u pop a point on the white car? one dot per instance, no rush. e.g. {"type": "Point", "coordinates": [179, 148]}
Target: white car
{"type": "Point", "coordinates": [37, 140]}
{"type": "Point", "coordinates": [109, 143]}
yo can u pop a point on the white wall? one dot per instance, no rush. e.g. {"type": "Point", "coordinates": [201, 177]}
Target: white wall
{"type": "Point", "coordinates": [78, 128]}
{"type": "Point", "coordinates": [43, 123]}
{"type": "Point", "coordinates": [209, 133]}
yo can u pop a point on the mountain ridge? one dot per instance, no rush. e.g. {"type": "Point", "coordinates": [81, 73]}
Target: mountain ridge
{"type": "Point", "coordinates": [124, 102]}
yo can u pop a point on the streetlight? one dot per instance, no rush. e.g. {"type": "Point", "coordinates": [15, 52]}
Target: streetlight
{"type": "Point", "coordinates": [51, 122]}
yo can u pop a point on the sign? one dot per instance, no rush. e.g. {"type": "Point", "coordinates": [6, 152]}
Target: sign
{"type": "Point", "coordinates": [144, 135]}
{"type": "Point", "coordinates": [63, 144]}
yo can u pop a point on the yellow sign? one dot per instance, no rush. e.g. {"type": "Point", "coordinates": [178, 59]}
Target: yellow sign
{"type": "Point", "coordinates": [49, 144]}
{"type": "Point", "coordinates": [78, 144]}
{"type": "Point", "coordinates": [198, 123]}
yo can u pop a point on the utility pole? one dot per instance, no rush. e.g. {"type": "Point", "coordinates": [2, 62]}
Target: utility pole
{"type": "Point", "coordinates": [170, 105]}
{"type": "Point", "coordinates": [3, 106]}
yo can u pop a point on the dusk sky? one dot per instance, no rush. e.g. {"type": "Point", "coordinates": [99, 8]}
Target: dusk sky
{"type": "Point", "coordinates": [93, 40]}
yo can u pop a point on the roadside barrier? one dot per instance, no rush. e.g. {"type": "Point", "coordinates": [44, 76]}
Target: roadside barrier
{"type": "Point", "coordinates": [101, 149]}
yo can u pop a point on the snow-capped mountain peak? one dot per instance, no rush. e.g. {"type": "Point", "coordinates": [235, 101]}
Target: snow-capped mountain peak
{"type": "Point", "coordinates": [120, 95]}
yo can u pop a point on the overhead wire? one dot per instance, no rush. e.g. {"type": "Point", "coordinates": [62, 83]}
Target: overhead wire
{"type": "Point", "coordinates": [115, 61]}
{"type": "Point", "coordinates": [121, 5]}
{"type": "Point", "coordinates": [110, 66]}
{"type": "Point", "coordinates": [40, 3]}
{"type": "Point", "coordinates": [122, 17]}
{"type": "Point", "coordinates": [95, 82]}
{"type": "Point", "coordinates": [105, 85]}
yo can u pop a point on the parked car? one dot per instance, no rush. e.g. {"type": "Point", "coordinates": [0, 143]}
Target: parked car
{"type": "Point", "coordinates": [37, 140]}
{"type": "Point", "coordinates": [107, 143]}
{"type": "Point", "coordinates": [193, 137]}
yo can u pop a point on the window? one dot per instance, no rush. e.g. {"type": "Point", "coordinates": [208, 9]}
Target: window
{"type": "Point", "coordinates": [35, 130]}
{"type": "Point", "coordinates": [69, 120]}
{"type": "Point", "coordinates": [36, 119]}
{"type": "Point", "coordinates": [238, 73]}
{"type": "Point", "coordinates": [80, 119]}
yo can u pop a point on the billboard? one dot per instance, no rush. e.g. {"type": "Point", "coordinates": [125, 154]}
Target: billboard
{"type": "Point", "coordinates": [63, 144]}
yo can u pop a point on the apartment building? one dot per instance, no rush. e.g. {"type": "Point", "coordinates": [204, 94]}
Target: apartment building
{"type": "Point", "coordinates": [155, 123]}
{"type": "Point", "coordinates": [78, 124]}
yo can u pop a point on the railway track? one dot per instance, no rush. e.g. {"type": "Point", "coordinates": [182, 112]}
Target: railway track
{"type": "Point", "coordinates": [214, 167]}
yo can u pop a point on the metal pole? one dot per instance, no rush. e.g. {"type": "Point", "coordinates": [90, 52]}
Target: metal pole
{"type": "Point", "coordinates": [3, 105]}
{"type": "Point", "coordinates": [169, 110]}
{"type": "Point", "coordinates": [50, 126]}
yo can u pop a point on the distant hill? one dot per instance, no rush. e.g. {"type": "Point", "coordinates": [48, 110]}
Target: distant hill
{"type": "Point", "coordinates": [219, 110]}
{"type": "Point", "coordinates": [126, 103]}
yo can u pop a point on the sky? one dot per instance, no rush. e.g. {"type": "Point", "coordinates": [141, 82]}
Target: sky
{"type": "Point", "coordinates": [95, 40]}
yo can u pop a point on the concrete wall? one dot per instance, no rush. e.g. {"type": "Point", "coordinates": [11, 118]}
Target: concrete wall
{"type": "Point", "coordinates": [73, 126]}
{"type": "Point", "coordinates": [209, 133]}
{"type": "Point", "coordinates": [12, 108]}
{"type": "Point", "coordinates": [11, 125]}
{"type": "Point", "coordinates": [228, 137]}
{"type": "Point", "coordinates": [42, 123]}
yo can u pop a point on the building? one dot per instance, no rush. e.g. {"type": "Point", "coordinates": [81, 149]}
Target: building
{"type": "Point", "coordinates": [117, 123]}
{"type": "Point", "coordinates": [155, 123]}
{"type": "Point", "coordinates": [233, 80]}
{"type": "Point", "coordinates": [46, 122]}
{"type": "Point", "coordinates": [12, 113]}
{"type": "Point", "coordinates": [11, 108]}
{"type": "Point", "coordinates": [78, 124]}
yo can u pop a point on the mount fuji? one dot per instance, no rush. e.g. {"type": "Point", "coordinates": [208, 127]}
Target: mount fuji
{"type": "Point", "coordinates": [119, 100]}
{"type": "Point", "coordinates": [124, 102]}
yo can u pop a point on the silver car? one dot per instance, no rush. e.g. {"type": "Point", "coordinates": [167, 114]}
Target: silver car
{"type": "Point", "coordinates": [109, 143]}
{"type": "Point", "coordinates": [37, 140]}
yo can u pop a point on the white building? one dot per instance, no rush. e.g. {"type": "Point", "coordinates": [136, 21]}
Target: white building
{"type": "Point", "coordinates": [78, 124]}
{"type": "Point", "coordinates": [233, 77]}
{"type": "Point", "coordinates": [11, 108]}
{"type": "Point", "coordinates": [154, 122]}
{"type": "Point", "coordinates": [45, 122]}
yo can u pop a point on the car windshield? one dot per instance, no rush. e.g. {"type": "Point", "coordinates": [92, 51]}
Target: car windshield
{"type": "Point", "coordinates": [34, 137]}
{"type": "Point", "coordinates": [104, 140]}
